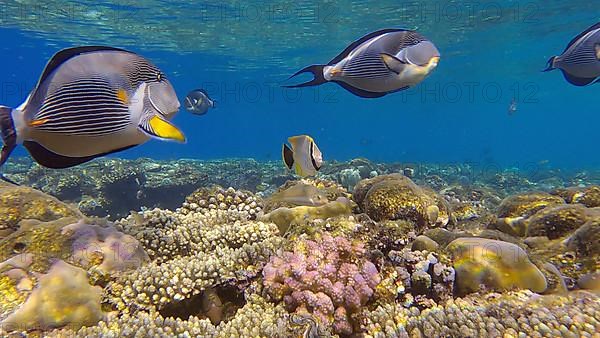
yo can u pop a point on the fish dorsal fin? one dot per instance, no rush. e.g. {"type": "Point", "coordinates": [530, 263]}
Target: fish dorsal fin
{"type": "Point", "coordinates": [575, 39]}
{"type": "Point", "coordinates": [356, 43]}
{"type": "Point", "coordinates": [65, 54]}
{"type": "Point", "coordinates": [288, 156]}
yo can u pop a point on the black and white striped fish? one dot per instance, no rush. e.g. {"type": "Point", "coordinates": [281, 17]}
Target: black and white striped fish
{"type": "Point", "coordinates": [91, 101]}
{"type": "Point", "coordinates": [377, 64]}
{"type": "Point", "coordinates": [580, 61]}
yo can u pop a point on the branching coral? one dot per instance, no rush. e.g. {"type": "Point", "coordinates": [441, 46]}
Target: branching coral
{"type": "Point", "coordinates": [329, 278]}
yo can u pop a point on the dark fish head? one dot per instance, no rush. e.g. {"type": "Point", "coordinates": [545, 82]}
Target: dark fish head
{"type": "Point", "coordinates": [550, 64]}
{"type": "Point", "coordinates": [162, 97]}
{"type": "Point", "coordinates": [197, 102]}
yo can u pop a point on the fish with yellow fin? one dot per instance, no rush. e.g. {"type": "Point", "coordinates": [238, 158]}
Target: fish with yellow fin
{"type": "Point", "coordinates": [304, 156]}
{"type": "Point", "coordinates": [91, 101]}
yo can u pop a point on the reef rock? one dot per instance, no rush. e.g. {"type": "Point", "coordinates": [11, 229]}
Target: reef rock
{"type": "Point", "coordinates": [560, 220]}
{"type": "Point", "coordinates": [286, 217]}
{"type": "Point", "coordinates": [78, 241]}
{"type": "Point", "coordinates": [494, 264]}
{"type": "Point", "coordinates": [18, 203]}
{"type": "Point", "coordinates": [588, 196]}
{"type": "Point", "coordinates": [514, 209]}
{"type": "Point", "coordinates": [392, 197]}
{"type": "Point", "coordinates": [104, 248]}
{"type": "Point", "coordinates": [586, 240]}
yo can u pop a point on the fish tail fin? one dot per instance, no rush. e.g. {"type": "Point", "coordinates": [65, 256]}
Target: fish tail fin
{"type": "Point", "coordinates": [317, 72]}
{"type": "Point", "coordinates": [9, 138]}
{"type": "Point", "coordinates": [550, 64]}
{"type": "Point", "coordinates": [288, 156]}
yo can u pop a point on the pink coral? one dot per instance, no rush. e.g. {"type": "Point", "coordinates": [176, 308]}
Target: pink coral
{"type": "Point", "coordinates": [329, 278]}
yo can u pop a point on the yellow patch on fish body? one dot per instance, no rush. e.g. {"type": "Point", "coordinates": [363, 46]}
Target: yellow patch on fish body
{"type": "Point", "coordinates": [123, 96]}
{"type": "Point", "coordinates": [298, 169]}
{"type": "Point", "coordinates": [36, 123]}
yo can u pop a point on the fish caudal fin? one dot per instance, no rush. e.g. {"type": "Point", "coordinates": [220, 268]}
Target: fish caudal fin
{"type": "Point", "coordinates": [549, 65]}
{"type": "Point", "coordinates": [9, 138]}
{"type": "Point", "coordinates": [288, 156]}
{"type": "Point", "coordinates": [317, 72]}
{"type": "Point", "coordinates": [158, 127]}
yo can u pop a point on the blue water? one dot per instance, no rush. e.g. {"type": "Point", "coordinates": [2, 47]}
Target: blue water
{"type": "Point", "coordinates": [241, 52]}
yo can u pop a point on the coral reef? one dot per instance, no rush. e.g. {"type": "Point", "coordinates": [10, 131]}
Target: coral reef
{"type": "Point", "coordinates": [514, 314]}
{"type": "Point", "coordinates": [329, 279]}
{"type": "Point", "coordinates": [228, 204]}
{"type": "Point", "coordinates": [439, 250]}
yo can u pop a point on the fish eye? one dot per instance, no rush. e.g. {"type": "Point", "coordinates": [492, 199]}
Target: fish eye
{"type": "Point", "coordinates": [159, 76]}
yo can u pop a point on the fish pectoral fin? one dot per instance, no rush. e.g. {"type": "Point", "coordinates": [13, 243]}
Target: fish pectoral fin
{"type": "Point", "coordinates": [393, 63]}
{"type": "Point", "coordinates": [288, 156]}
{"type": "Point", "coordinates": [160, 128]}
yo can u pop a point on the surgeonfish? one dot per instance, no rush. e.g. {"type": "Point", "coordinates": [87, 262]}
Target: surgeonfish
{"type": "Point", "coordinates": [91, 101]}
{"type": "Point", "coordinates": [377, 64]}
{"type": "Point", "coordinates": [304, 156]}
{"type": "Point", "coordinates": [198, 102]}
{"type": "Point", "coordinates": [580, 61]}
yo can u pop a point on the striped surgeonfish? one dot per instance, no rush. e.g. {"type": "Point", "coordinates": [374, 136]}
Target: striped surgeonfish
{"type": "Point", "coordinates": [379, 63]}
{"type": "Point", "coordinates": [580, 61]}
{"type": "Point", "coordinates": [304, 156]}
{"type": "Point", "coordinates": [91, 101]}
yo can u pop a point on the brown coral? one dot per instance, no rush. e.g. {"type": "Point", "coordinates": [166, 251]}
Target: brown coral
{"type": "Point", "coordinates": [18, 203]}
{"type": "Point", "coordinates": [395, 196]}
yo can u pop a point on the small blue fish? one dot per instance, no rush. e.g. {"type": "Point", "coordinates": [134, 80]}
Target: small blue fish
{"type": "Point", "coordinates": [198, 102]}
{"type": "Point", "coordinates": [580, 61]}
{"type": "Point", "coordinates": [512, 107]}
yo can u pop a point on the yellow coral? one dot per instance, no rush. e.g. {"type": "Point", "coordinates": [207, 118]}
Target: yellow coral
{"type": "Point", "coordinates": [285, 217]}
{"type": "Point", "coordinates": [10, 297]}
{"type": "Point", "coordinates": [18, 203]}
{"type": "Point", "coordinates": [63, 297]}
{"type": "Point", "coordinates": [495, 264]}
